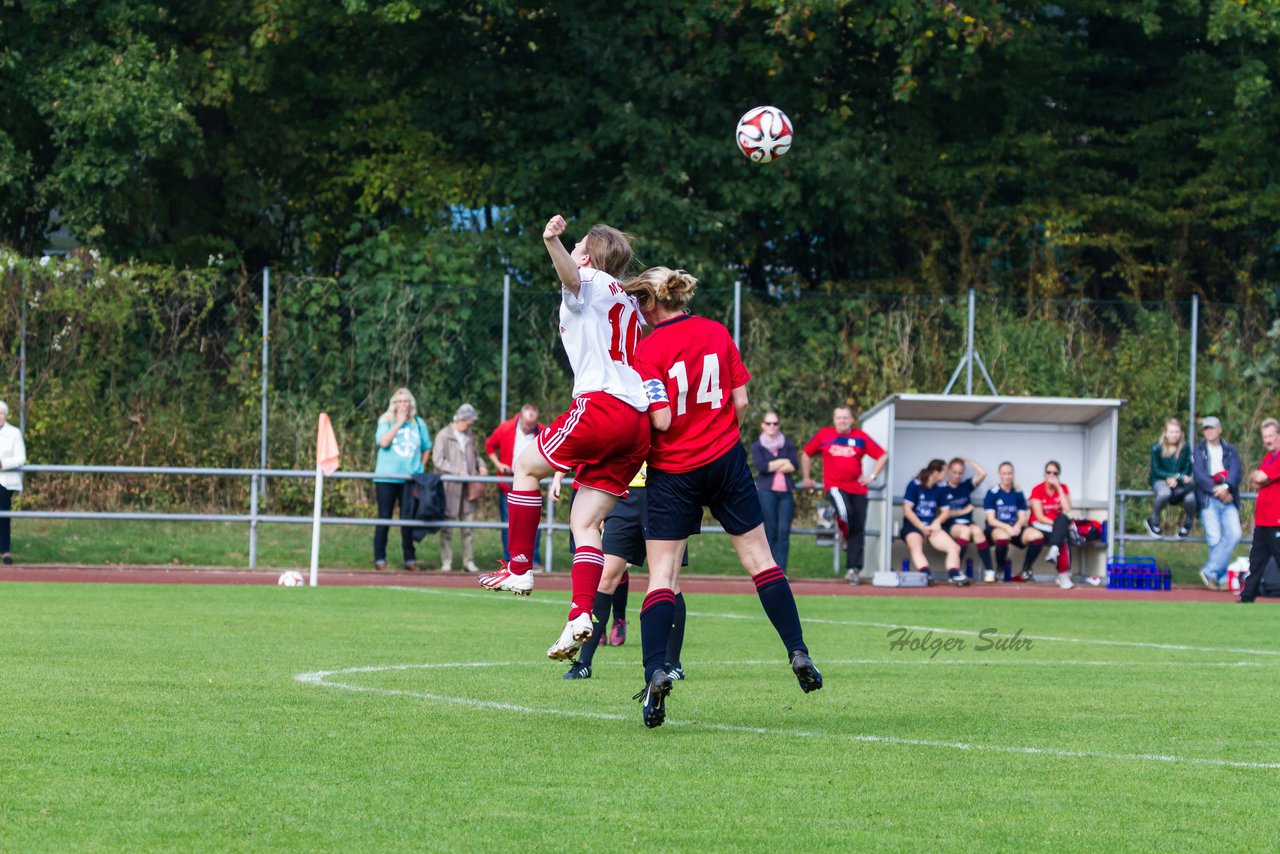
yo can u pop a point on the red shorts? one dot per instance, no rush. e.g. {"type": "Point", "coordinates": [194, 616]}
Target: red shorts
{"type": "Point", "coordinates": [605, 439]}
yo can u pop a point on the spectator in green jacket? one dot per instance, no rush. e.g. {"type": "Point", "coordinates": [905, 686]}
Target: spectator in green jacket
{"type": "Point", "coordinates": [1171, 478]}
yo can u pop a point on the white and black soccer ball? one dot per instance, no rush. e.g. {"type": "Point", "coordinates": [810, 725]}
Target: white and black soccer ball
{"type": "Point", "coordinates": [764, 134]}
{"type": "Point", "coordinates": [292, 578]}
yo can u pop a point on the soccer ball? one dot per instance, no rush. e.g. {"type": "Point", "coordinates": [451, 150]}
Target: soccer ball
{"type": "Point", "coordinates": [292, 578]}
{"type": "Point", "coordinates": [764, 134]}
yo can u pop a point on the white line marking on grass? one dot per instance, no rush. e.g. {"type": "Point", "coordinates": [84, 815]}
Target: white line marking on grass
{"type": "Point", "coordinates": [1014, 661]}
{"type": "Point", "coordinates": [321, 678]}
{"type": "Point", "coordinates": [873, 625]}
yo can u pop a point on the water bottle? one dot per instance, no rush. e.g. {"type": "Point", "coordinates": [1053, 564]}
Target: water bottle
{"type": "Point", "coordinates": [906, 565]}
{"type": "Point", "coordinates": [1008, 570]}
{"type": "Point", "coordinates": [968, 569]}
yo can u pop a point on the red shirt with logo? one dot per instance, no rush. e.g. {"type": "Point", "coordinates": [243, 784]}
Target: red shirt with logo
{"type": "Point", "coordinates": [695, 360]}
{"type": "Point", "coordinates": [842, 455]}
{"type": "Point", "coordinates": [1267, 511]}
{"type": "Point", "coordinates": [1051, 504]}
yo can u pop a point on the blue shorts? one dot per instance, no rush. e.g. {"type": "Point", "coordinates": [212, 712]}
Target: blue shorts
{"type": "Point", "coordinates": [624, 528]}
{"type": "Point", "coordinates": [724, 486]}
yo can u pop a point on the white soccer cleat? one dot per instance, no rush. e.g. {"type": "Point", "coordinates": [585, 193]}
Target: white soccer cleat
{"type": "Point", "coordinates": [575, 632]}
{"type": "Point", "coordinates": [1064, 581]}
{"type": "Point", "coordinates": [505, 579]}
{"type": "Point", "coordinates": [988, 576]}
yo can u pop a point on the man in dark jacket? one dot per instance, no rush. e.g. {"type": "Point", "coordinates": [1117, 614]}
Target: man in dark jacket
{"type": "Point", "coordinates": [1215, 466]}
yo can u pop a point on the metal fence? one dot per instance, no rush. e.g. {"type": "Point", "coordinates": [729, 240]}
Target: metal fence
{"type": "Point", "coordinates": [1122, 537]}
{"type": "Point", "coordinates": [254, 518]}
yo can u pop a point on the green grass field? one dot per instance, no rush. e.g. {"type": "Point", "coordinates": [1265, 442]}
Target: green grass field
{"type": "Point", "coordinates": [173, 717]}
{"type": "Point", "coordinates": [288, 546]}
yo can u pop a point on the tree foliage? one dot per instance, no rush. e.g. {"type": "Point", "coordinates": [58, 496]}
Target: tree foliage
{"type": "Point", "coordinates": [1087, 148]}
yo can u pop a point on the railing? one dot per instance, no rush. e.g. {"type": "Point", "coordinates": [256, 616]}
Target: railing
{"type": "Point", "coordinates": [256, 476]}
{"type": "Point", "coordinates": [1121, 537]}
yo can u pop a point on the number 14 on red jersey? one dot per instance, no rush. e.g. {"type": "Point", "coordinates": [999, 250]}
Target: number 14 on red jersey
{"type": "Point", "coordinates": [708, 383]}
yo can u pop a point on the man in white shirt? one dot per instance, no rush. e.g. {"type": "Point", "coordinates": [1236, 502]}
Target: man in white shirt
{"type": "Point", "coordinates": [13, 455]}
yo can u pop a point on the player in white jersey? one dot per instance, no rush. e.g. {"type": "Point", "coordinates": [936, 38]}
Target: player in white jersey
{"type": "Point", "coordinates": [605, 433]}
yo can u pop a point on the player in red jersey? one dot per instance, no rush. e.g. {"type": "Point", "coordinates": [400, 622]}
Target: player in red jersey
{"type": "Point", "coordinates": [605, 433]}
{"type": "Point", "coordinates": [843, 447]}
{"type": "Point", "coordinates": [697, 386]}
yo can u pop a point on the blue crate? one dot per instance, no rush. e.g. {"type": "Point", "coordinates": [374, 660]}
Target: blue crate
{"type": "Point", "coordinates": [1138, 573]}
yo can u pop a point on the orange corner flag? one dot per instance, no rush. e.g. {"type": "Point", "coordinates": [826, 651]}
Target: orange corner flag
{"type": "Point", "coordinates": [326, 446]}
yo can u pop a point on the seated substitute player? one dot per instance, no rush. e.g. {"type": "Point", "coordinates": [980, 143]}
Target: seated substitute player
{"type": "Point", "coordinates": [956, 496]}
{"type": "Point", "coordinates": [698, 387]}
{"type": "Point", "coordinates": [1050, 505]}
{"type": "Point", "coordinates": [624, 544]}
{"type": "Point", "coordinates": [605, 433]}
{"type": "Point", "coordinates": [920, 522]}
{"type": "Point", "coordinates": [1007, 522]}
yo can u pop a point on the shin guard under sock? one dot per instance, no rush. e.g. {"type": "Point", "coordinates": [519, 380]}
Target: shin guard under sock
{"type": "Point", "coordinates": [588, 566]}
{"type": "Point", "coordinates": [780, 606]}
{"type": "Point", "coordinates": [599, 608]}
{"type": "Point", "coordinates": [524, 512]}
{"type": "Point", "coordinates": [620, 596]}
{"type": "Point", "coordinates": [984, 554]}
{"type": "Point", "coordinates": [675, 641]}
{"type": "Point", "coordinates": [655, 628]}
{"type": "Point", "coordinates": [1002, 553]}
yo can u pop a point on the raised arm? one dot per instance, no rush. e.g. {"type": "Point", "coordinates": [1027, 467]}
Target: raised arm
{"type": "Point", "coordinates": [979, 473]}
{"type": "Point", "coordinates": [566, 269]}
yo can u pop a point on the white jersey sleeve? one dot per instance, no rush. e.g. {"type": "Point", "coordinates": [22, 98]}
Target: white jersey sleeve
{"type": "Point", "coordinates": [599, 327]}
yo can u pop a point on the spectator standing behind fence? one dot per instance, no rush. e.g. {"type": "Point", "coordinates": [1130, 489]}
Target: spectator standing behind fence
{"type": "Point", "coordinates": [1171, 478]}
{"type": "Point", "coordinates": [503, 447]}
{"type": "Point", "coordinates": [1266, 512]}
{"type": "Point", "coordinates": [1215, 466]}
{"type": "Point", "coordinates": [455, 453]}
{"type": "Point", "coordinates": [775, 459]}
{"type": "Point", "coordinates": [13, 455]}
{"type": "Point", "coordinates": [843, 447]}
{"type": "Point", "coordinates": [403, 442]}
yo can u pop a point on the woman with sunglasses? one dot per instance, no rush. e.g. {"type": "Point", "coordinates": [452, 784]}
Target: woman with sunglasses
{"type": "Point", "coordinates": [775, 459]}
{"type": "Point", "coordinates": [1051, 514]}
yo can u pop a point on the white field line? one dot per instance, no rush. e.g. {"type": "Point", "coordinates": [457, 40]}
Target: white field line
{"type": "Point", "coordinates": [321, 678]}
{"type": "Point", "coordinates": [873, 625]}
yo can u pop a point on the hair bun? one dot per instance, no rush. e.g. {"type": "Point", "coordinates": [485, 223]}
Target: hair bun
{"type": "Point", "coordinates": [677, 287]}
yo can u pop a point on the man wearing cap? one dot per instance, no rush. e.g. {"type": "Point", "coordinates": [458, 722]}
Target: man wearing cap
{"type": "Point", "coordinates": [1215, 467]}
{"type": "Point", "coordinates": [455, 452]}
{"type": "Point", "coordinates": [1266, 512]}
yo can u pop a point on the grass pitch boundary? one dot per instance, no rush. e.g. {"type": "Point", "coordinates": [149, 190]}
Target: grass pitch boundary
{"type": "Point", "coordinates": [468, 594]}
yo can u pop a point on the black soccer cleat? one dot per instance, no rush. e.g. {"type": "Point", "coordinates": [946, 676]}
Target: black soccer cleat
{"type": "Point", "coordinates": [802, 666]}
{"type": "Point", "coordinates": [653, 699]}
{"type": "Point", "coordinates": [578, 670]}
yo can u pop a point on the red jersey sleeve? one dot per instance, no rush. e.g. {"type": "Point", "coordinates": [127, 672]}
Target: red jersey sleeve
{"type": "Point", "coordinates": [738, 373]}
{"type": "Point", "coordinates": [491, 444]}
{"type": "Point", "coordinates": [655, 386]}
{"type": "Point", "coordinates": [872, 449]}
{"type": "Point", "coordinates": [1271, 466]}
{"type": "Point", "coordinates": [814, 444]}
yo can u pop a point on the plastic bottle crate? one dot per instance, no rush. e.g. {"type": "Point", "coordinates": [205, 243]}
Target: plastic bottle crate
{"type": "Point", "coordinates": [1138, 573]}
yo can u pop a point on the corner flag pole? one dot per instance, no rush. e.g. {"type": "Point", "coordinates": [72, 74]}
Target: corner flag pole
{"type": "Point", "coordinates": [326, 463]}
